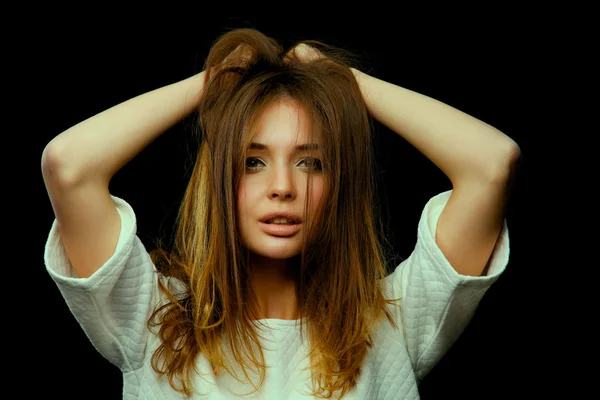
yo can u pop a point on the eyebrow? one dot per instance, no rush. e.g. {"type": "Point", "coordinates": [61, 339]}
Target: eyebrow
{"type": "Point", "coordinates": [301, 147]}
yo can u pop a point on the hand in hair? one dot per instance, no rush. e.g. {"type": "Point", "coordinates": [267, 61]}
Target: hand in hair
{"type": "Point", "coordinates": [303, 53]}
{"type": "Point", "coordinates": [239, 56]}
{"type": "Point", "coordinates": [230, 62]}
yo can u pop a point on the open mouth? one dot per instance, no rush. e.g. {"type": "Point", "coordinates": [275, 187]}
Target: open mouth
{"type": "Point", "coordinates": [280, 229]}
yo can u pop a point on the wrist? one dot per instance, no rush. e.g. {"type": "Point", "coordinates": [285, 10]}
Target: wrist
{"type": "Point", "coordinates": [195, 86]}
{"type": "Point", "coordinates": [355, 72]}
{"type": "Point", "coordinates": [361, 78]}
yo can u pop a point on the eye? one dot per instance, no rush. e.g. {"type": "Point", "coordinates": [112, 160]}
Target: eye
{"type": "Point", "coordinates": [250, 162]}
{"type": "Point", "coordinates": [314, 163]}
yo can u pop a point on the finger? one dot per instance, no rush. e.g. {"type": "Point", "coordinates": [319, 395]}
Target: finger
{"type": "Point", "coordinates": [307, 53]}
{"type": "Point", "coordinates": [242, 52]}
{"type": "Point", "coordinates": [289, 56]}
{"type": "Point", "coordinates": [303, 53]}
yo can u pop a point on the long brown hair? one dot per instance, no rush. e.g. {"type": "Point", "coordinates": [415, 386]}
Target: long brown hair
{"type": "Point", "coordinates": [339, 274]}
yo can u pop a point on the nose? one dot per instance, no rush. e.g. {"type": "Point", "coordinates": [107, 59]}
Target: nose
{"type": "Point", "coordinates": [282, 186]}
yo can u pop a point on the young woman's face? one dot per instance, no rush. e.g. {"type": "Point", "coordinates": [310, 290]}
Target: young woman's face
{"type": "Point", "coordinates": [275, 180]}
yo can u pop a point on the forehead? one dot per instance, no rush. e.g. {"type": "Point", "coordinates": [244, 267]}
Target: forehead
{"type": "Point", "coordinates": [283, 123]}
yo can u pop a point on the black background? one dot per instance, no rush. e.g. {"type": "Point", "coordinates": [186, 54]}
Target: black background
{"type": "Point", "coordinates": [486, 64]}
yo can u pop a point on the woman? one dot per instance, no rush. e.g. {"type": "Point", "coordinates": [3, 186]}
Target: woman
{"type": "Point", "coordinates": [276, 285]}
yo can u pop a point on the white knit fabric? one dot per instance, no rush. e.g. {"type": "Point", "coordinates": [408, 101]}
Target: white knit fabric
{"type": "Point", "coordinates": [113, 305]}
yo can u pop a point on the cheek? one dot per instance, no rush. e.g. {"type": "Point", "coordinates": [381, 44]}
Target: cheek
{"type": "Point", "coordinates": [241, 200]}
{"type": "Point", "coordinates": [247, 198]}
{"type": "Point", "coordinates": [317, 199]}
{"type": "Point", "coordinates": [317, 194]}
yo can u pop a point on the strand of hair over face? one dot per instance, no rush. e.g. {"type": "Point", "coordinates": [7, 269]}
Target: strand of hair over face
{"type": "Point", "coordinates": [339, 273]}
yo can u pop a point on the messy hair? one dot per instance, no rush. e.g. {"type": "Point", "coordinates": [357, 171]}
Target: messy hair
{"type": "Point", "coordinates": [338, 275]}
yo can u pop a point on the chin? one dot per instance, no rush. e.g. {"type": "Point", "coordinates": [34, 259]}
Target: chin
{"type": "Point", "coordinates": [275, 248]}
{"type": "Point", "coordinates": [274, 253]}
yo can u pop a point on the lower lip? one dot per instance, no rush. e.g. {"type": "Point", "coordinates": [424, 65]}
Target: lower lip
{"type": "Point", "coordinates": [282, 230]}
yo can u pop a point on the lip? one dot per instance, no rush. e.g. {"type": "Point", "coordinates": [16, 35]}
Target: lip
{"type": "Point", "coordinates": [281, 214]}
{"type": "Point", "coordinates": [280, 230]}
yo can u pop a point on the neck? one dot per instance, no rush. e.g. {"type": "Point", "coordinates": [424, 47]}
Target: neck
{"type": "Point", "coordinates": [273, 283]}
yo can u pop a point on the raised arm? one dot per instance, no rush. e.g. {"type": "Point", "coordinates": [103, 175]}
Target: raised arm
{"type": "Point", "coordinates": [78, 164]}
{"type": "Point", "coordinates": [479, 160]}
{"type": "Point", "coordinates": [102, 144]}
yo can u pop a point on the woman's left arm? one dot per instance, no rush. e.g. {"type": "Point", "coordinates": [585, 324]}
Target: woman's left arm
{"type": "Point", "coordinates": [478, 159]}
{"type": "Point", "coordinates": [462, 146]}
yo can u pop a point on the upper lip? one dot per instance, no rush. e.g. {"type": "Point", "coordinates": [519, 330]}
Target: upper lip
{"type": "Point", "coordinates": [288, 215]}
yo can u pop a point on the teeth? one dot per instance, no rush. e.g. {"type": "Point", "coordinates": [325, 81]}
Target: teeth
{"type": "Point", "coordinates": [280, 221]}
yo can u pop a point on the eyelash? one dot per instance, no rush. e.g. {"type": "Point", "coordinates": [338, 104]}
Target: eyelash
{"type": "Point", "coordinates": [316, 161]}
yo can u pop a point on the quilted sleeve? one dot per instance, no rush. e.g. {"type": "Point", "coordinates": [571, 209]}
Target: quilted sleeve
{"type": "Point", "coordinates": [113, 305]}
{"type": "Point", "coordinates": [437, 302]}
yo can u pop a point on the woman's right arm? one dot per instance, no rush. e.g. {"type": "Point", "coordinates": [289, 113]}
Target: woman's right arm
{"type": "Point", "coordinates": [101, 145]}
{"type": "Point", "coordinates": [78, 164]}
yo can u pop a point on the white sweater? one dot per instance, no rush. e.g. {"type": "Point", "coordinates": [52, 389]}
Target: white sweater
{"type": "Point", "coordinates": [113, 305]}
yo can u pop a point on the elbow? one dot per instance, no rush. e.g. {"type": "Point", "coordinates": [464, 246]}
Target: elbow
{"type": "Point", "coordinates": [53, 166]}
{"type": "Point", "coordinates": [506, 164]}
